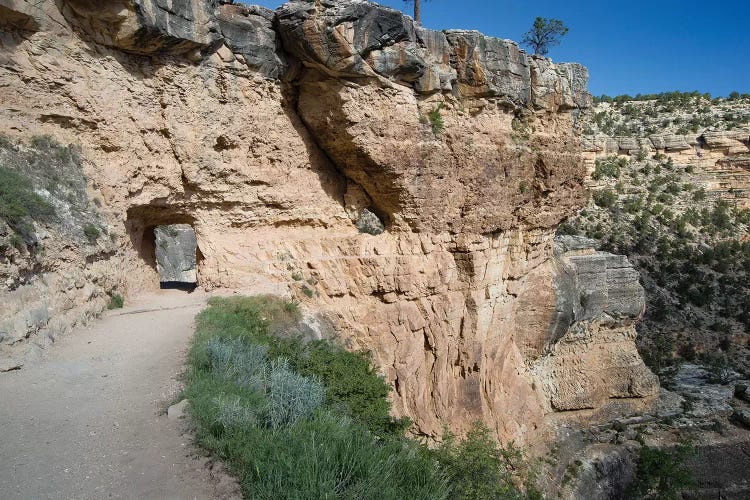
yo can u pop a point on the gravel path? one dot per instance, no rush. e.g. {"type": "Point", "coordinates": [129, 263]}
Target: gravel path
{"type": "Point", "coordinates": [87, 422]}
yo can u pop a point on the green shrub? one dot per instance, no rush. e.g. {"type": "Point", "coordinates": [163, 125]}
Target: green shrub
{"type": "Point", "coordinates": [19, 202]}
{"type": "Point", "coordinates": [478, 468]}
{"type": "Point", "coordinates": [609, 167]}
{"type": "Point", "coordinates": [436, 119]}
{"type": "Point", "coordinates": [604, 198]}
{"type": "Point", "coordinates": [352, 385]}
{"type": "Point", "coordinates": [309, 292]}
{"type": "Point", "coordinates": [661, 474]}
{"type": "Point", "coordinates": [115, 301]}
{"type": "Point", "coordinates": [91, 232]}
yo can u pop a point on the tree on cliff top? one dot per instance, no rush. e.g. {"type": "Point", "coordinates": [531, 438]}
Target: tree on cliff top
{"type": "Point", "coordinates": [417, 10]}
{"type": "Point", "coordinates": [544, 34]}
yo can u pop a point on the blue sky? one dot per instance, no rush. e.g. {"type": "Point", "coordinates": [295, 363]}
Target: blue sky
{"type": "Point", "coordinates": [629, 46]}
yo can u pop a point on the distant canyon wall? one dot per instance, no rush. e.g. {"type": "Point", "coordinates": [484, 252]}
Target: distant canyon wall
{"type": "Point", "coordinates": [720, 158]}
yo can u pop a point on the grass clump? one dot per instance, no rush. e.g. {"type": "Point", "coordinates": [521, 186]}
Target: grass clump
{"type": "Point", "coordinates": [91, 232]}
{"type": "Point", "coordinates": [312, 420]}
{"type": "Point", "coordinates": [115, 301]}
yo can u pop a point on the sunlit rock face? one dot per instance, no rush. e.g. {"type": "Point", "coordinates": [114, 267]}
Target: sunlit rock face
{"type": "Point", "coordinates": [279, 136]}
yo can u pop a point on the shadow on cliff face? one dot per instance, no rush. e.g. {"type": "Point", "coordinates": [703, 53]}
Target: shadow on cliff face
{"type": "Point", "coordinates": [331, 178]}
{"type": "Point", "coordinates": [141, 223]}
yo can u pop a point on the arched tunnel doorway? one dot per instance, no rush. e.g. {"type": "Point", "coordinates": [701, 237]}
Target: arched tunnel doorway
{"type": "Point", "coordinates": [165, 239]}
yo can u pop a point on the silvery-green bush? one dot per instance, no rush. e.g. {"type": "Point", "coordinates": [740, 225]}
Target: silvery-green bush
{"type": "Point", "coordinates": [289, 397]}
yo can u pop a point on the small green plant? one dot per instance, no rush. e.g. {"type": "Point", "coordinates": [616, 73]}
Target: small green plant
{"type": "Point", "coordinates": [523, 187]}
{"type": "Point", "coordinates": [91, 232]}
{"type": "Point", "coordinates": [17, 241]}
{"type": "Point", "coordinates": [604, 198]}
{"type": "Point", "coordinates": [115, 301]}
{"type": "Point", "coordinates": [436, 119]}
{"type": "Point", "coordinates": [309, 292]}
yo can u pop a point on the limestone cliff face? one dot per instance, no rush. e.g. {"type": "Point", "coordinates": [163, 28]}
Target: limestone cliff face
{"type": "Point", "coordinates": [271, 133]}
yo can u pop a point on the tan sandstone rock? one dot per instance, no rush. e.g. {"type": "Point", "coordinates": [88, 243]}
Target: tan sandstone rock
{"type": "Point", "coordinates": [271, 156]}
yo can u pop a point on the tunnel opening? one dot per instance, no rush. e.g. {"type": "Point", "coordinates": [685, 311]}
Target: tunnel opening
{"type": "Point", "coordinates": [165, 240]}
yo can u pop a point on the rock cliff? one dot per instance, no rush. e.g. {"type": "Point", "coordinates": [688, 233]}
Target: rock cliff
{"type": "Point", "coordinates": [277, 135]}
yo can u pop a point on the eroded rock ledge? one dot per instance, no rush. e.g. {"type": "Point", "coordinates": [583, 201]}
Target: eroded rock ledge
{"type": "Point", "coordinates": [271, 134]}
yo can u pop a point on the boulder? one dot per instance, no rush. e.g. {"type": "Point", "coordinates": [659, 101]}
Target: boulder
{"type": "Point", "coordinates": [733, 142]}
{"type": "Point", "coordinates": [628, 144]}
{"type": "Point", "coordinates": [248, 31]}
{"type": "Point", "coordinates": [370, 223]}
{"type": "Point", "coordinates": [658, 141]}
{"type": "Point", "coordinates": [571, 243]}
{"type": "Point", "coordinates": [179, 27]}
{"type": "Point", "coordinates": [606, 287]}
{"type": "Point", "coordinates": [597, 301]}
{"type": "Point", "coordinates": [18, 14]}
{"type": "Point", "coordinates": [175, 253]}
{"type": "Point", "coordinates": [675, 143]}
{"type": "Point", "coordinates": [177, 410]}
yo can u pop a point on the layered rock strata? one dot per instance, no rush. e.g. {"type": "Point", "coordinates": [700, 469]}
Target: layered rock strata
{"type": "Point", "coordinates": [274, 134]}
{"type": "Point", "coordinates": [720, 159]}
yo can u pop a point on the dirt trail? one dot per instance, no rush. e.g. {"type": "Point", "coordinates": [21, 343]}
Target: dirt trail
{"type": "Point", "coordinates": [87, 421]}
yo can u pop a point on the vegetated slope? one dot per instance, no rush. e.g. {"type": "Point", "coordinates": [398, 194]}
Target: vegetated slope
{"type": "Point", "coordinates": [691, 247]}
{"type": "Point", "coordinates": [296, 420]}
{"type": "Point", "coordinates": [47, 222]}
{"type": "Point", "coordinates": [679, 113]}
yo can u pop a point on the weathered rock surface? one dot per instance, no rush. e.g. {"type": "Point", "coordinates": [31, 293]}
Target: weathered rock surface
{"type": "Point", "coordinates": [175, 253]}
{"type": "Point", "coordinates": [460, 299]}
{"type": "Point", "coordinates": [595, 302]}
{"type": "Point", "coordinates": [179, 27]}
{"type": "Point", "coordinates": [249, 34]}
{"type": "Point", "coordinates": [378, 138]}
